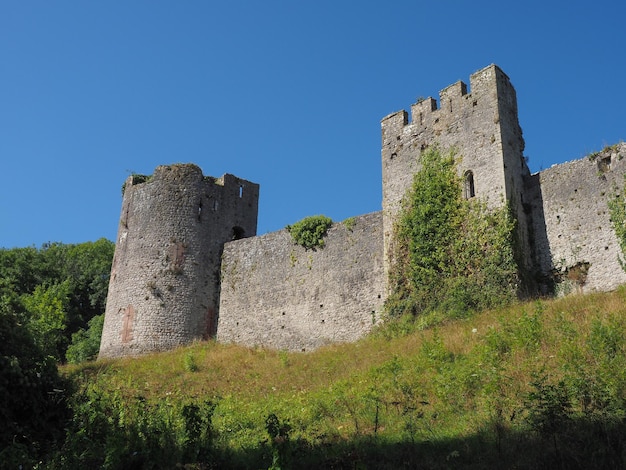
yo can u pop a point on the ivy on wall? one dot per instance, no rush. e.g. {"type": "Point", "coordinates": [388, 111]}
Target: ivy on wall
{"type": "Point", "coordinates": [449, 254]}
{"type": "Point", "coordinates": [617, 211]}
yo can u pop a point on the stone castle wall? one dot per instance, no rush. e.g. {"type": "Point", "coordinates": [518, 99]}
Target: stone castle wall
{"type": "Point", "coordinates": [277, 294]}
{"type": "Point", "coordinates": [188, 265]}
{"type": "Point", "coordinates": [575, 243]}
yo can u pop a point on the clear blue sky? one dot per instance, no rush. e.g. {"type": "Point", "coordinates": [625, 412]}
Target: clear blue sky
{"type": "Point", "coordinates": [288, 94]}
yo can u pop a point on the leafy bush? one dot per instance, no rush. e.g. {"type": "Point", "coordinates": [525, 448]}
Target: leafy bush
{"type": "Point", "coordinates": [189, 362]}
{"type": "Point", "coordinates": [137, 179]}
{"type": "Point", "coordinates": [349, 223]}
{"type": "Point", "coordinates": [109, 430]}
{"type": "Point", "coordinates": [548, 405]}
{"type": "Point", "coordinates": [86, 343]}
{"type": "Point", "coordinates": [310, 231]}
{"type": "Point", "coordinates": [449, 254]}
{"type": "Point", "coordinates": [279, 440]}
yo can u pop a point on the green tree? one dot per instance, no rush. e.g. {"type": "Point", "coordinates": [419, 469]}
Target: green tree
{"type": "Point", "coordinates": [47, 314]}
{"type": "Point", "coordinates": [87, 267]}
{"type": "Point", "coordinates": [32, 396]}
{"type": "Point", "coordinates": [21, 270]}
{"type": "Point", "coordinates": [56, 290]}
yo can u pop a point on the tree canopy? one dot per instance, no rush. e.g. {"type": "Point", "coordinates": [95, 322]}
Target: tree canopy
{"type": "Point", "coordinates": [54, 291]}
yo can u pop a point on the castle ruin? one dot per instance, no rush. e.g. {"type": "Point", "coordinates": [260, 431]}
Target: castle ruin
{"type": "Point", "coordinates": [188, 264]}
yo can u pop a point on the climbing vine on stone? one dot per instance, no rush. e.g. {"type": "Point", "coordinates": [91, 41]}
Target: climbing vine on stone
{"type": "Point", "coordinates": [449, 254]}
{"type": "Point", "coordinates": [310, 231]}
{"type": "Point", "coordinates": [617, 210]}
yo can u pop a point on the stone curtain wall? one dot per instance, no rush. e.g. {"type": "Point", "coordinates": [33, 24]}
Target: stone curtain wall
{"type": "Point", "coordinates": [279, 295]}
{"type": "Point", "coordinates": [572, 222]}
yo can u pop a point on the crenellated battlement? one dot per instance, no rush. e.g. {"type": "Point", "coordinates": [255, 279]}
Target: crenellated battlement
{"type": "Point", "coordinates": [227, 186]}
{"type": "Point", "coordinates": [238, 188]}
{"type": "Point", "coordinates": [421, 110]}
{"type": "Point", "coordinates": [454, 100]}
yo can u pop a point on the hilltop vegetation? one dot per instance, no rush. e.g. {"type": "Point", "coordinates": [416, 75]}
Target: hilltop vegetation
{"type": "Point", "coordinates": [536, 385]}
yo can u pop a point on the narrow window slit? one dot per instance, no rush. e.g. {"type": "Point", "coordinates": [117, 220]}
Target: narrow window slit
{"type": "Point", "coordinates": [468, 185]}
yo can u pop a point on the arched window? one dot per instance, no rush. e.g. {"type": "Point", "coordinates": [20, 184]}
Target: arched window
{"type": "Point", "coordinates": [468, 185]}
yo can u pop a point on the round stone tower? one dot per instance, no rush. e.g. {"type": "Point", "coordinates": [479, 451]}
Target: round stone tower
{"type": "Point", "coordinates": [164, 287]}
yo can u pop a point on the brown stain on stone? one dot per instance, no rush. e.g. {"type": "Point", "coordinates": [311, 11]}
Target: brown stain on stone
{"type": "Point", "coordinates": [177, 256]}
{"type": "Point", "coordinates": [128, 317]}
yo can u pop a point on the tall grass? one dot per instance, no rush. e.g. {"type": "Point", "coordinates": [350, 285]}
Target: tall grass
{"type": "Point", "coordinates": [537, 385]}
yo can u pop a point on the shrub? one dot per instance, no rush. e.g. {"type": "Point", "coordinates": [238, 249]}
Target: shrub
{"type": "Point", "coordinates": [189, 362]}
{"type": "Point", "coordinates": [137, 179]}
{"type": "Point", "coordinates": [549, 406]}
{"type": "Point", "coordinates": [86, 343]}
{"type": "Point", "coordinates": [310, 231]}
{"type": "Point", "coordinates": [349, 223]}
{"type": "Point", "coordinates": [278, 432]}
{"type": "Point", "coordinates": [110, 430]}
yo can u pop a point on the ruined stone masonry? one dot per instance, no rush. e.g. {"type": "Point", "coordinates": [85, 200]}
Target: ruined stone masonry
{"type": "Point", "coordinates": [188, 264]}
{"type": "Point", "coordinates": [164, 287]}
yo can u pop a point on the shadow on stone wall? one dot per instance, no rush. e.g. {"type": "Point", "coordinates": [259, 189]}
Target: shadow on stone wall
{"type": "Point", "coordinates": [540, 281]}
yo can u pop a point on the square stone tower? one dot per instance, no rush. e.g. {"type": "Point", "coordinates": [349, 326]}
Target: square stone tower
{"type": "Point", "coordinates": [482, 128]}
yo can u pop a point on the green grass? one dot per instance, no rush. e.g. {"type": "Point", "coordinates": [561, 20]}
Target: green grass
{"type": "Point", "coordinates": [537, 385]}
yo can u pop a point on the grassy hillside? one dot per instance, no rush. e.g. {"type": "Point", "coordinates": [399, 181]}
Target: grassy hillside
{"type": "Point", "coordinates": [537, 385]}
